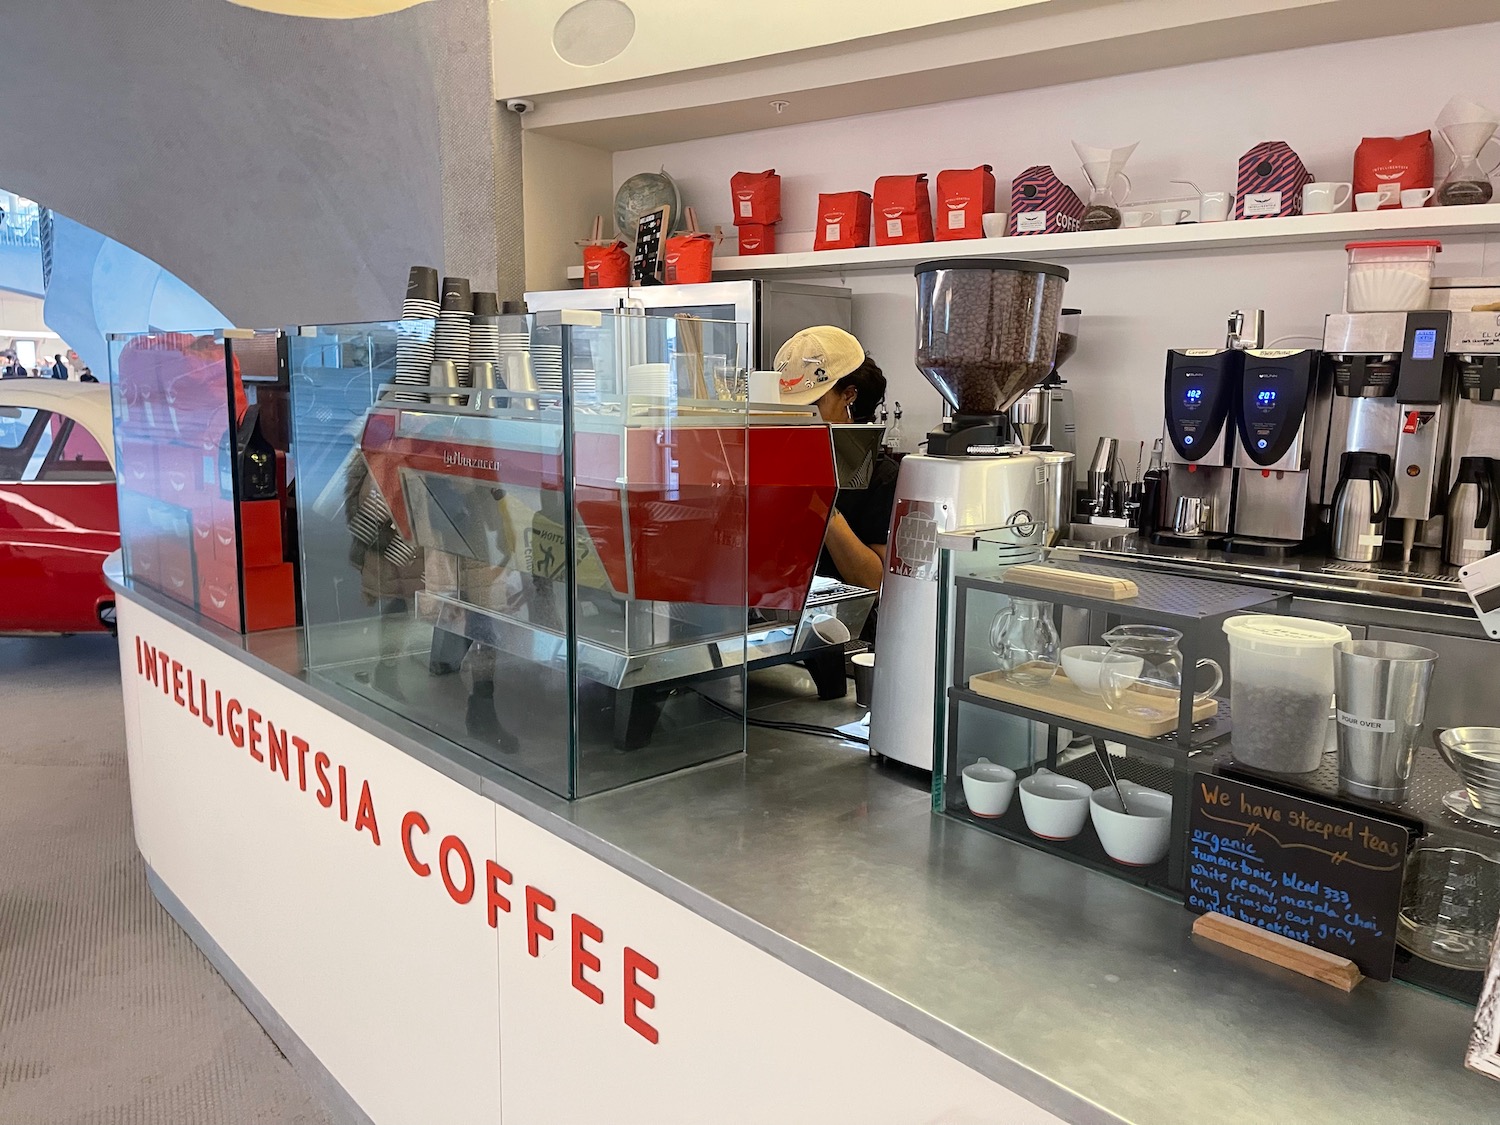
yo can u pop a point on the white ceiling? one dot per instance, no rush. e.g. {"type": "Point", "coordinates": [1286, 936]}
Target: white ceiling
{"type": "Point", "coordinates": [714, 75]}
{"type": "Point", "coordinates": [676, 35]}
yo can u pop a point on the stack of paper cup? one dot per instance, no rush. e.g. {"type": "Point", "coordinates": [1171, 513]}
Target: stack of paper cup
{"type": "Point", "coordinates": [453, 326]}
{"type": "Point", "coordinates": [414, 340]}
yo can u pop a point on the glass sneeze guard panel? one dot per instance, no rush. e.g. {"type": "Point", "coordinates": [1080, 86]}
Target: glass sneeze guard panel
{"type": "Point", "coordinates": [547, 568]}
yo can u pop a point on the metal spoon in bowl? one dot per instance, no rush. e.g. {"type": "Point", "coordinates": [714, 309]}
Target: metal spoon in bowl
{"type": "Point", "coordinates": [1109, 772]}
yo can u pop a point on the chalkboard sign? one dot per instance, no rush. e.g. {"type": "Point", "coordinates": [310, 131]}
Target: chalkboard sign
{"type": "Point", "coordinates": [1314, 873]}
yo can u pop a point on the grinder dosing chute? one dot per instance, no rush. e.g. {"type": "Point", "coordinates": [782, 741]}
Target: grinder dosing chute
{"type": "Point", "coordinates": [986, 334]}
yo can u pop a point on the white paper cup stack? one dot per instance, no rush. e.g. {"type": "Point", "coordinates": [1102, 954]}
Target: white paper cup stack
{"type": "Point", "coordinates": [414, 341]}
{"type": "Point", "coordinates": [649, 379]}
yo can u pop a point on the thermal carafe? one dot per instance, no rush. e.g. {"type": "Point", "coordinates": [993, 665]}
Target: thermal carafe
{"type": "Point", "coordinates": [1468, 524]}
{"type": "Point", "coordinates": [1361, 504]}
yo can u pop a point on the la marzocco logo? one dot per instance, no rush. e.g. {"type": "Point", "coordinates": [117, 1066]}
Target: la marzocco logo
{"type": "Point", "coordinates": [452, 459]}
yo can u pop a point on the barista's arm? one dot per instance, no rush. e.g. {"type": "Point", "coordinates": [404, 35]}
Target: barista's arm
{"type": "Point", "coordinates": [859, 563]}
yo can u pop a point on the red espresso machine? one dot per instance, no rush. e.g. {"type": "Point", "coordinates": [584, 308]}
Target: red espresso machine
{"type": "Point", "coordinates": [696, 523]}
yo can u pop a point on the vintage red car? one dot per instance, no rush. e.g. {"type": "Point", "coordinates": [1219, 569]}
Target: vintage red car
{"type": "Point", "coordinates": [58, 515]}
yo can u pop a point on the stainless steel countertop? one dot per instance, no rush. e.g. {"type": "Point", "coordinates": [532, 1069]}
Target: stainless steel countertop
{"type": "Point", "coordinates": [1435, 590]}
{"type": "Point", "coordinates": [1083, 993]}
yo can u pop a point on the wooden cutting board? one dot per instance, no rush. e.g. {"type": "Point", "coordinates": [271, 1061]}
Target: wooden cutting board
{"type": "Point", "coordinates": [1063, 700]}
{"type": "Point", "coordinates": [1104, 586]}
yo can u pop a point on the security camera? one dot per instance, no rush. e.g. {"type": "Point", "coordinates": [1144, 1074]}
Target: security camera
{"type": "Point", "coordinates": [520, 105]}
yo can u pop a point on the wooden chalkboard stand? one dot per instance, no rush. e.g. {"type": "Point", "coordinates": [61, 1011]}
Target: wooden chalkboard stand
{"type": "Point", "coordinates": [1329, 968]}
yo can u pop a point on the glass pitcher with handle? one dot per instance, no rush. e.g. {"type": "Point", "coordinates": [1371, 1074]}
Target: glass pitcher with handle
{"type": "Point", "coordinates": [1141, 674]}
{"type": "Point", "coordinates": [1023, 637]}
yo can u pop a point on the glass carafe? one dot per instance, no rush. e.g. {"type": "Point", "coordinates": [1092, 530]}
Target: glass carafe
{"type": "Point", "coordinates": [1141, 674]}
{"type": "Point", "coordinates": [1025, 640]}
{"type": "Point", "coordinates": [1108, 184]}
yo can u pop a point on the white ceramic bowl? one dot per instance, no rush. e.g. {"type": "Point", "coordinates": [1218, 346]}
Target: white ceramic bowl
{"type": "Point", "coordinates": [988, 788]}
{"type": "Point", "coordinates": [1140, 838]}
{"type": "Point", "coordinates": [994, 224]}
{"type": "Point", "coordinates": [1055, 806]}
{"type": "Point", "coordinates": [1080, 663]}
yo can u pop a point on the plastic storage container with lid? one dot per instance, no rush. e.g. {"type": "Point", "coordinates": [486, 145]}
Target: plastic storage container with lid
{"type": "Point", "coordinates": [1389, 276]}
{"type": "Point", "coordinates": [1281, 689]}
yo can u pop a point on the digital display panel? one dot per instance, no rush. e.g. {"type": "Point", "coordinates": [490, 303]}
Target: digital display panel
{"type": "Point", "coordinates": [1423, 343]}
{"type": "Point", "coordinates": [1488, 600]}
{"type": "Point", "coordinates": [1265, 398]}
{"type": "Point", "coordinates": [1193, 396]}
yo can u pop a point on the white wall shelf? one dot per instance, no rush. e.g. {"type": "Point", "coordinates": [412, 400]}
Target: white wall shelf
{"type": "Point", "coordinates": [1245, 234]}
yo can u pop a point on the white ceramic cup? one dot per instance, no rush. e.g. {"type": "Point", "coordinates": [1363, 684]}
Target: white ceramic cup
{"type": "Point", "coordinates": [1374, 200]}
{"type": "Point", "coordinates": [1326, 197]}
{"type": "Point", "coordinates": [1055, 807]}
{"type": "Point", "coordinates": [988, 788]}
{"type": "Point", "coordinates": [1171, 216]}
{"type": "Point", "coordinates": [994, 224]}
{"type": "Point", "coordinates": [1416, 197]}
{"type": "Point", "coordinates": [1136, 218]}
{"type": "Point", "coordinates": [829, 629]}
{"type": "Point", "coordinates": [1138, 838]}
{"type": "Point", "coordinates": [1214, 206]}
{"type": "Point", "coordinates": [1080, 663]}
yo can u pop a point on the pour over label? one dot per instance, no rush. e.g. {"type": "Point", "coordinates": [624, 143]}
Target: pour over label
{"type": "Point", "coordinates": [1263, 203]}
{"type": "Point", "coordinates": [1031, 222]}
{"type": "Point", "coordinates": [1355, 722]}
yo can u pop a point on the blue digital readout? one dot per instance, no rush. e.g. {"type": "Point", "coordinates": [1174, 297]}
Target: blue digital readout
{"type": "Point", "coordinates": [1265, 398]}
{"type": "Point", "coordinates": [1193, 396]}
{"type": "Point", "coordinates": [1423, 343]}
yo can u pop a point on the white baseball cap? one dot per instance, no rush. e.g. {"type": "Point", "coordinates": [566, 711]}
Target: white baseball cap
{"type": "Point", "coordinates": [813, 360]}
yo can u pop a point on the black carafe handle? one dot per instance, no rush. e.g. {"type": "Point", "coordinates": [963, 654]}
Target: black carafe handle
{"type": "Point", "coordinates": [1486, 502]}
{"type": "Point", "coordinates": [1387, 490]}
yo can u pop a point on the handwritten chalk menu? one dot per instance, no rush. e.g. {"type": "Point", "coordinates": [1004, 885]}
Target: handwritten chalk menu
{"type": "Point", "coordinates": [1311, 872]}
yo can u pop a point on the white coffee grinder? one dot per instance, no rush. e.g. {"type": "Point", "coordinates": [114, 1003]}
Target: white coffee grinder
{"type": "Point", "coordinates": [986, 334]}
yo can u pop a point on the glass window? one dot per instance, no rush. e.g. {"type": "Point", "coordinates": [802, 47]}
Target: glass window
{"type": "Point", "coordinates": [76, 456]}
{"type": "Point", "coordinates": [21, 427]}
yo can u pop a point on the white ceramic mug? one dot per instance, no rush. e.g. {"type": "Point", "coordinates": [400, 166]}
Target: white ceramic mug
{"type": "Point", "coordinates": [994, 224]}
{"type": "Point", "coordinates": [1326, 197]}
{"type": "Point", "coordinates": [1171, 216]}
{"type": "Point", "coordinates": [988, 788]}
{"type": "Point", "coordinates": [1138, 838]}
{"type": "Point", "coordinates": [1214, 206]}
{"type": "Point", "coordinates": [1055, 807]}
{"type": "Point", "coordinates": [1136, 218]}
{"type": "Point", "coordinates": [1416, 197]}
{"type": "Point", "coordinates": [1374, 200]}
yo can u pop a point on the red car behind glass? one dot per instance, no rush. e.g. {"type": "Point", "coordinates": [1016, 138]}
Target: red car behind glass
{"type": "Point", "coordinates": [58, 516]}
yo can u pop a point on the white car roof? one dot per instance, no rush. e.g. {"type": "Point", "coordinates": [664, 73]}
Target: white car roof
{"type": "Point", "coordinates": [88, 404]}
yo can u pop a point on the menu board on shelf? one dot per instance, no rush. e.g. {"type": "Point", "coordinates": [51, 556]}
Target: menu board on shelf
{"type": "Point", "coordinates": [1317, 874]}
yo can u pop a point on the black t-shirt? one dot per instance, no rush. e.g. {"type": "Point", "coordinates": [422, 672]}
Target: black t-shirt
{"type": "Point", "coordinates": [867, 510]}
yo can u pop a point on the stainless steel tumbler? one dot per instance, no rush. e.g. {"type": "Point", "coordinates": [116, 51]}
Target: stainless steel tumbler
{"type": "Point", "coordinates": [1381, 688]}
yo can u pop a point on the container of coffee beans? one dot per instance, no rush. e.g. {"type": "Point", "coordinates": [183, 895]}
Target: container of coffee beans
{"type": "Point", "coordinates": [987, 329]}
{"type": "Point", "coordinates": [1281, 690]}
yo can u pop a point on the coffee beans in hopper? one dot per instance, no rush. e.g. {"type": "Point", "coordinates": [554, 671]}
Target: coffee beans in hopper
{"type": "Point", "coordinates": [986, 336]}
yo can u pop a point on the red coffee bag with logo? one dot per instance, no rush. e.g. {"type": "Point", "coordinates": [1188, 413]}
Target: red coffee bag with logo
{"type": "Point", "coordinates": [1393, 165]}
{"type": "Point", "coordinates": [843, 221]}
{"type": "Point", "coordinates": [606, 267]}
{"type": "Point", "coordinates": [756, 197]}
{"type": "Point", "coordinates": [964, 197]}
{"type": "Point", "coordinates": [756, 239]}
{"type": "Point", "coordinates": [689, 259]}
{"type": "Point", "coordinates": [902, 210]}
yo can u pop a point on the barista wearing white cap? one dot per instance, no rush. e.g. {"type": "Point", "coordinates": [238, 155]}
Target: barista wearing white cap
{"type": "Point", "coordinates": [826, 366]}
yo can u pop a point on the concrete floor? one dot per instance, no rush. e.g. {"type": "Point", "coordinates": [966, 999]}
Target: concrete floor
{"type": "Point", "coordinates": [108, 1013]}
